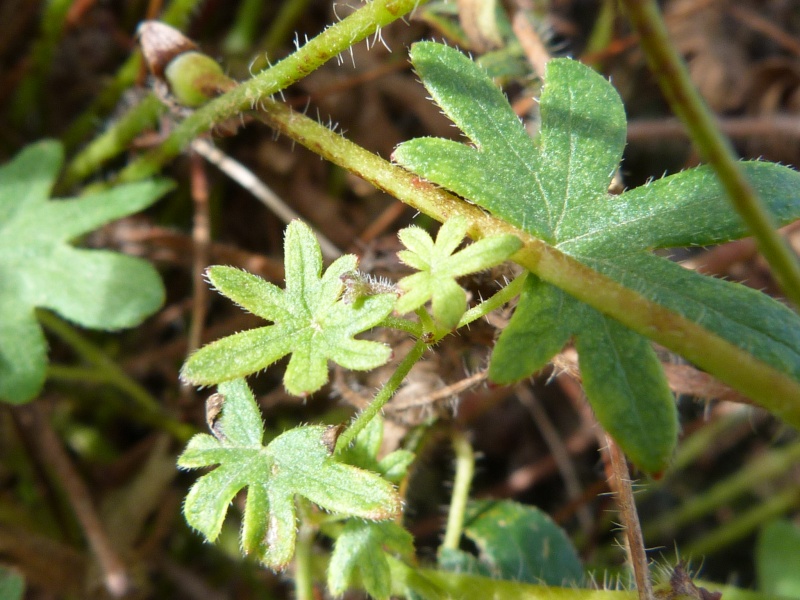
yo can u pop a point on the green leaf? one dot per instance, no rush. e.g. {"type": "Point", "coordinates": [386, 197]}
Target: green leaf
{"type": "Point", "coordinates": [519, 543]}
{"type": "Point", "coordinates": [777, 557]}
{"type": "Point", "coordinates": [543, 322]}
{"type": "Point", "coordinates": [363, 453]}
{"type": "Point", "coordinates": [38, 268]}
{"type": "Point", "coordinates": [439, 267]}
{"type": "Point", "coordinates": [625, 385]}
{"type": "Point", "coordinates": [297, 462]}
{"type": "Point", "coordinates": [311, 321]}
{"type": "Point", "coordinates": [555, 187]}
{"type": "Point", "coordinates": [533, 185]}
{"type": "Point", "coordinates": [622, 376]}
{"type": "Point", "coordinates": [359, 557]}
{"type": "Point", "coordinates": [686, 209]}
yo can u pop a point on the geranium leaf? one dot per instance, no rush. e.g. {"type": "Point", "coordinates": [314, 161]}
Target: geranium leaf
{"type": "Point", "coordinates": [359, 557]}
{"type": "Point", "coordinates": [516, 542]}
{"type": "Point", "coordinates": [297, 462]}
{"type": "Point", "coordinates": [556, 187]}
{"type": "Point", "coordinates": [39, 268]}
{"type": "Point", "coordinates": [311, 321]}
{"type": "Point", "coordinates": [439, 266]}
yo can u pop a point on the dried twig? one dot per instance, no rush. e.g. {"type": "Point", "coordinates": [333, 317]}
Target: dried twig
{"type": "Point", "coordinates": [244, 177]}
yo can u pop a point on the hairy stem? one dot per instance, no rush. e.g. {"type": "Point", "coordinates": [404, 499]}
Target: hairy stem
{"type": "Point", "coordinates": [336, 39]}
{"type": "Point", "coordinates": [687, 104]}
{"type": "Point", "coordinates": [774, 389]}
{"type": "Point", "coordinates": [621, 484]}
{"type": "Point", "coordinates": [503, 296]}
{"type": "Point", "coordinates": [382, 397]}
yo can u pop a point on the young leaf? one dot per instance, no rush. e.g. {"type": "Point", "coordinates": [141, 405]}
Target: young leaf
{"type": "Point", "coordinates": [359, 557]}
{"type": "Point", "coordinates": [516, 542]}
{"type": "Point", "coordinates": [311, 321]}
{"type": "Point", "coordinates": [39, 268]}
{"type": "Point", "coordinates": [439, 268]}
{"type": "Point", "coordinates": [555, 187]}
{"type": "Point", "coordinates": [297, 462]}
{"type": "Point", "coordinates": [364, 453]}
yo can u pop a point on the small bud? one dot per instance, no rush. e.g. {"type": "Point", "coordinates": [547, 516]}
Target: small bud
{"type": "Point", "coordinates": [191, 77]}
{"type": "Point", "coordinates": [196, 78]}
{"type": "Point", "coordinates": [358, 285]}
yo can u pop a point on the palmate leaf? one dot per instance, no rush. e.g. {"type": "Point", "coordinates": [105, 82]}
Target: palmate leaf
{"type": "Point", "coordinates": [359, 557]}
{"type": "Point", "coordinates": [311, 321]}
{"type": "Point", "coordinates": [555, 187]}
{"type": "Point", "coordinates": [297, 462]}
{"type": "Point", "coordinates": [439, 266]}
{"type": "Point", "coordinates": [39, 268]}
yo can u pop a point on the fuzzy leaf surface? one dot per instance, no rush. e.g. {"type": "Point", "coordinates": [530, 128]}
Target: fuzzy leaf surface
{"type": "Point", "coordinates": [97, 289]}
{"type": "Point", "coordinates": [555, 187]}
{"type": "Point", "coordinates": [519, 543]}
{"type": "Point", "coordinates": [439, 266]}
{"type": "Point", "coordinates": [359, 557]}
{"type": "Point", "coordinates": [311, 321]}
{"type": "Point", "coordinates": [297, 462]}
{"type": "Point", "coordinates": [364, 453]}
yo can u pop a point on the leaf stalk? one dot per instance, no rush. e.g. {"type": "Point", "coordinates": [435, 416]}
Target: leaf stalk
{"type": "Point", "coordinates": [382, 397]}
{"type": "Point", "coordinates": [773, 389]}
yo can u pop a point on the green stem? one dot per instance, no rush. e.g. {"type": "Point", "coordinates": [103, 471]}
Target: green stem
{"type": "Point", "coordinates": [382, 397]}
{"type": "Point", "coordinates": [774, 389]}
{"type": "Point", "coordinates": [110, 372]}
{"type": "Point", "coordinates": [688, 106]}
{"type": "Point", "coordinates": [328, 44]}
{"type": "Point", "coordinates": [303, 580]}
{"type": "Point", "coordinates": [112, 142]}
{"type": "Point", "coordinates": [465, 469]}
{"type": "Point", "coordinates": [411, 327]}
{"type": "Point", "coordinates": [502, 297]}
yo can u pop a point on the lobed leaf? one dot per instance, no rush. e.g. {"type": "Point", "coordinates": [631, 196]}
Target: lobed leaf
{"type": "Point", "coordinates": [439, 267]}
{"type": "Point", "coordinates": [297, 462]}
{"type": "Point", "coordinates": [359, 557]}
{"type": "Point", "coordinates": [311, 321]}
{"type": "Point", "coordinates": [655, 215]}
{"type": "Point", "coordinates": [40, 269]}
{"type": "Point", "coordinates": [555, 187]}
{"type": "Point", "coordinates": [517, 542]}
